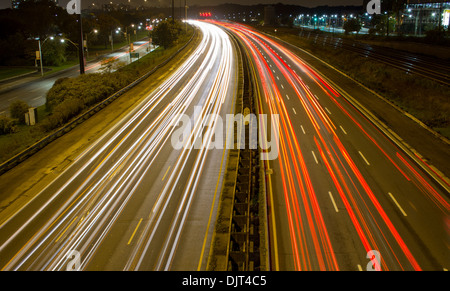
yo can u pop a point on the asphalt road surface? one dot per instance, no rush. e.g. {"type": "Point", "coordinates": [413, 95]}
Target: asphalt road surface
{"type": "Point", "coordinates": [342, 195]}
{"type": "Point", "coordinates": [33, 90]}
{"type": "Point", "coordinates": [139, 198]}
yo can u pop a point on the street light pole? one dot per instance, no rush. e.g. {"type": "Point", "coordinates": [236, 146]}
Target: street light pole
{"type": "Point", "coordinates": [173, 11]}
{"type": "Point", "coordinates": [40, 58]}
{"type": "Point", "coordinates": [185, 14]}
{"type": "Point", "coordinates": [80, 46]}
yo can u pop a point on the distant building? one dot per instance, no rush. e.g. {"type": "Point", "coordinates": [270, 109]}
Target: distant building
{"type": "Point", "coordinates": [15, 3]}
{"type": "Point", "coordinates": [421, 16]}
{"type": "Point", "coordinates": [270, 17]}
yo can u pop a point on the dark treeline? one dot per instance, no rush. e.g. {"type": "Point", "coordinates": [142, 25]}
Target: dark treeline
{"type": "Point", "coordinates": [41, 19]}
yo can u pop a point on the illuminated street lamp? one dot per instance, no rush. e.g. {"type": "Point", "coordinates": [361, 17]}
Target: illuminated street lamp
{"type": "Point", "coordinates": [40, 52]}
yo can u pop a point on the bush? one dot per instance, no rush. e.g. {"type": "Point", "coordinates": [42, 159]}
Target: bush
{"type": "Point", "coordinates": [17, 110]}
{"type": "Point", "coordinates": [7, 125]}
{"type": "Point", "coordinates": [436, 36]}
{"type": "Point", "coordinates": [69, 96]}
{"type": "Point", "coordinates": [62, 113]}
{"type": "Point", "coordinates": [352, 25]}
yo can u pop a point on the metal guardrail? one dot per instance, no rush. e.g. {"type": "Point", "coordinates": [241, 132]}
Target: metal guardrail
{"type": "Point", "coordinates": [25, 154]}
{"type": "Point", "coordinates": [243, 252]}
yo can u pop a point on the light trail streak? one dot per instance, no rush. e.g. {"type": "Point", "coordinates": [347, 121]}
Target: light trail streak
{"type": "Point", "coordinates": [123, 159]}
{"type": "Point", "coordinates": [309, 236]}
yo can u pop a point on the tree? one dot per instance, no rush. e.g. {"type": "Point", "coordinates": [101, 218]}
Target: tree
{"type": "Point", "coordinates": [39, 17]}
{"type": "Point", "coordinates": [106, 24]}
{"type": "Point", "coordinates": [166, 33]}
{"type": "Point", "coordinates": [352, 25]}
{"type": "Point", "coordinates": [395, 7]}
{"type": "Point", "coordinates": [20, 28]}
{"type": "Point", "coordinates": [381, 24]}
{"type": "Point", "coordinates": [54, 53]}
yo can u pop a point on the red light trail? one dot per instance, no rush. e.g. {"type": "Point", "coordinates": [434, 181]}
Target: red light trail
{"type": "Point", "coordinates": [311, 246]}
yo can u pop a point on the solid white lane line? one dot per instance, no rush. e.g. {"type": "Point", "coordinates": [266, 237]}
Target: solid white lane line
{"type": "Point", "coordinates": [364, 158]}
{"type": "Point", "coordinates": [396, 203]}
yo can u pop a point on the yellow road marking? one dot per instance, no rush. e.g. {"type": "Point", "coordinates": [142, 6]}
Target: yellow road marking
{"type": "Point", "coordinates": [134, 232]}
{"type": "Point", "coordinates": [165, 174]}
{"type": "Point", "coordinates": [66, 229]}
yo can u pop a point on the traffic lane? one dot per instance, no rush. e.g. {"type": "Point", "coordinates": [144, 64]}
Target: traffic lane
{"type": "Point", "coordinates": [394, 176]}
{"type": "Point", "coordinates": [309, 161]}
{"type": "Point", "coordinates": [35, 91]}
{"type": "Point", "coordinates": [308, 252]}
{"type": "Point", "coordinates": [197, 233]}
{"type": "Point", "coordinates": [170, 258]}
{"type": "Point", "coordinates": [94, 233]}
{"type": "Point", "coordinates": [365, 160]}
{"type": "Point", "coordinates": [140, 215]}
{"type": "Point", "coordinates": [57, 197]}
{"type": "Point", "coordinates": [349, 252]}
{"type": "Point", "coordinates": [96, 154]}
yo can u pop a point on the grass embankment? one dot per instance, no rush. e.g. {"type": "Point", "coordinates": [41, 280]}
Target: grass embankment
{"type": "Point", "coordinates": [7, 72]}
{"type": "Point", "coordinates": [424, 99]}
{"type": "Point", "coordinates": [70, 97]}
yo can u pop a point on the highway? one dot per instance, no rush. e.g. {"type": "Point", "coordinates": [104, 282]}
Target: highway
{"type": "Point", "coordinates": [138, 199]}
{"type": "Point", "coordinates": [341, 194]}
{"type": "Point", "coordinates": [33, 90]}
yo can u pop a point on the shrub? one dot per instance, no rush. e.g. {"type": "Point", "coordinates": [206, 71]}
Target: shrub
{"type": "Point", "coordinates": [7, 125]}
{"type": "Point", "coordinates": [18, 109]}
{"type": "Point", "coordinates": [62, 113]}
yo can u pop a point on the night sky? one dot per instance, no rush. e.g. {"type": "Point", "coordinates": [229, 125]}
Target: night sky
{"type": "Point", "coordinates": [306, 3]}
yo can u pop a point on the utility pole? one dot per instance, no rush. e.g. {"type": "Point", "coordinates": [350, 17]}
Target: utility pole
{"type": "Point", "coordinates": [80, 44]}
{"type": "Point", "coordinates": [173, 11]}
{"type": "Point", "coordinates": [185, 14]}
{"type": "Point", "coordinates": [40, 57]}
{"type": "Point", "coordinates": [74, 7]}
